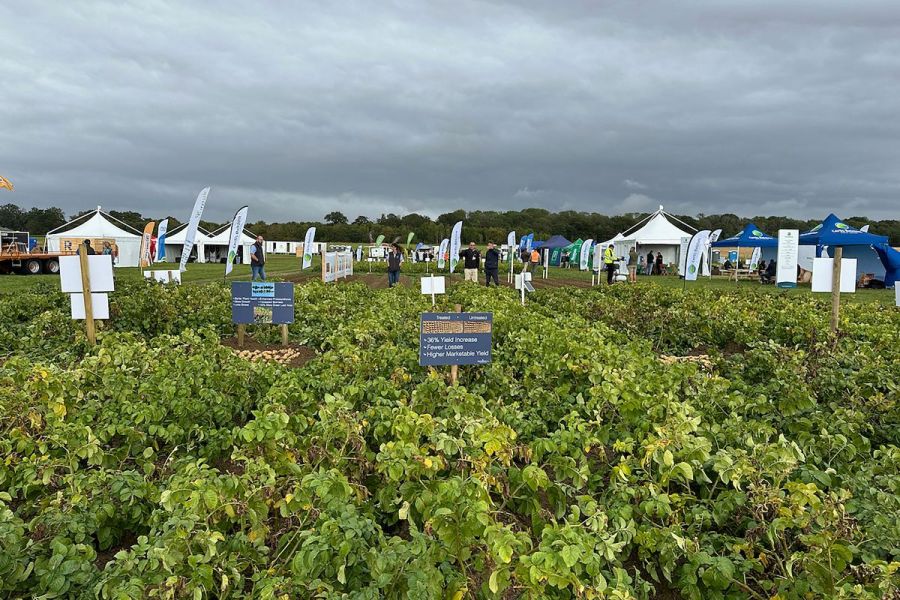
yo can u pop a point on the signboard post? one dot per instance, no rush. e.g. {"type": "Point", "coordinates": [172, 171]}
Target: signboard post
{"type": "Point", "coordinates": [433, 285]}
{"type": "Point", "coordinates": [261, 302]}
{"type": "Point", "coordinates": [454, 339]}
{"type": "Point", "coordinates": [788, 255]}
{"type": "Point", "coordinates": [82, 277]}
{"type": "Point", "coordinates": [88, 301]}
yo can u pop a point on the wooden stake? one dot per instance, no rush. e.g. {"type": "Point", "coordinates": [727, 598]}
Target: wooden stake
{"type": "Point", "coordinates": [284, 334]}
{"type": "Point", "coordinates": [454, 369]}
{"type": "Point", "coordinates": [836, 288]}
{"type": "Point", "coordinates": [86, 292]}
{"type": "Point", "coordinates": [240, 335]}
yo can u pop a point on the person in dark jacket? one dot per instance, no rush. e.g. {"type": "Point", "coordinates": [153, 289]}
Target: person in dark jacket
{"type": "Point", "coordinates": [492, 265]}
{"type": "Point", "coordinates": [651, 270]}
{"type": "Point", "coordinates": [90, 249]}
{"type": "Point", "coordinates": [471, 262]}
{"type": "Point", "coordinates": [394, 259]}
{"type": "Point", "coordinates": [659, 263]}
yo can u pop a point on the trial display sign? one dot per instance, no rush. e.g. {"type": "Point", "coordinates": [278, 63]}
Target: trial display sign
{"type": "Point", "coordinates": [455, 339]}
{"type": "Point", "coordinates": [262, 302]}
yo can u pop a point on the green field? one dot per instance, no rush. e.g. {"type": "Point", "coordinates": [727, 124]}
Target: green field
{"type": "Point", "coordinates": [628, 443]}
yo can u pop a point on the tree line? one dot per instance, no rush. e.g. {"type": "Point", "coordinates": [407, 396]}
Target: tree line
{"type": "Point", "coordinates": [478, 226]}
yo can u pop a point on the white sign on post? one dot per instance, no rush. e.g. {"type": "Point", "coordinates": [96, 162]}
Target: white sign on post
{"type": "Point", "coordinates": [897, 294]}
{"type": "Point", "coordinates": [682, 255]}
{"type": "Point", "coordinates": [99, 268]}
{"type": "Point", "coordinates": [788, 255]}
{"type": "Point", "coordinates": [99, 302]}
{"type": "Point", "coordinates": [164, 276]}
{"type": "Point", "coordinates": [822, 273]}
{"type": "Point", "coordinates": [433, 285]}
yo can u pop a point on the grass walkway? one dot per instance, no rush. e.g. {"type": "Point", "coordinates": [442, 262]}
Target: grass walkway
{"type": "Point", "coordinates": [289, 267]}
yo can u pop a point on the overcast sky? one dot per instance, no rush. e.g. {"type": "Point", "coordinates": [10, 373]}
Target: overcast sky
{"type": "Point", "coordinates": [753, 107]}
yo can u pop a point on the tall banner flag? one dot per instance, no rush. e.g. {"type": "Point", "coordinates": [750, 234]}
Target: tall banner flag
{"type": "Point", "coordinates": [754, 258]}
{"type": "Point", "coordinates": [358, 253]}
{"type": "Point", "coordinates": [788, 255]}
{"type": "Point", "coordinates": [529, 240]}
{"type": "Point", "coordinates": [379, 239]}
{"type": "Point", "coordinates": [409, 238]}
{"type": "Point", "coordinates": [682, 255]}
{"type": "Point", "coordinates": [237, 229]}
{"type": "Point", "coordinates": [585, 252]}
{"type": "Point", "coordinates": [695, 254]}
{"type": "Point", "coordinates": [442, 252]}
{"type": "Point", "coordinates": [146, 259]}
{"type": "Point", "coordinates": [455, 243]}
{"type": "Point", "coordinates": [308, 242]}
{"type": "Point", "coordinates": [707, 253]}
{"type": "Point", "coordinates": [511, 240]}
{"type": "Point", "coordinates": [161, 240]}
{"type": "Point", "coordinates": [191, 232]}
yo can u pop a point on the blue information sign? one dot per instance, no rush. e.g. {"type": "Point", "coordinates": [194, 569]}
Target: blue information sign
{"type": "Point", "coordinates": [262, 302]}
{"type": "Point", "coordinates": [455, 339]}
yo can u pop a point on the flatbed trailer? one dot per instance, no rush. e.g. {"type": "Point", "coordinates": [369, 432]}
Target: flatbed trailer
{"type": "Point", "coordinates": [33, 263]}
{"type": "Point", "coordinates": [15, 257]}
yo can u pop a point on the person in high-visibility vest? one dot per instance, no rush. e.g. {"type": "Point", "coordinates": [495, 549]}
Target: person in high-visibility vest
{"type": "Point", "coordinates": [609, 259]}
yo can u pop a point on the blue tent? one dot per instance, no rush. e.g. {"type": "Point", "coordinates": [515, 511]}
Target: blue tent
{"type": "Point", "coordinates": [557, 241]}
{"type": "Point", "coordinates": [555, 244]}
{"type": "Point", "coordinates": [834, 232]}
{"type": "Point", "coordinates": [890, 258]}
{"type": "Point", "coordinates": [750, 237]}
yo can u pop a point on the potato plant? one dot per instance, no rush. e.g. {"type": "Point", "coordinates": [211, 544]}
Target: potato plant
{"type": "Point", "coordinates": [578, 464]}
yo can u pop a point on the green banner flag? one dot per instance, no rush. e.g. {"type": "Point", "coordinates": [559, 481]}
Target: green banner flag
{"type": "Point", "coordinates": [378, 240]}
{"type": "Point", "coordinates": [409, 238]}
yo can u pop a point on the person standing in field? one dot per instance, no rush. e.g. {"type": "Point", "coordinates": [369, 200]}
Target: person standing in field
{"type": "Point", "coordinates": [609, 259]}
{"type": "Point", "coordinates": [394, 260]}
{"type": "Point", "coordinates": [632, 265]}
{"type": "Point", "coordinates": [650, 263]}
{"type": "Point", "coordinates": [258, 259]}
{"type": "Point", "coordinates": [535, 260]}
{"type": "Point", "coordinates": [471, 262]}
{"type": "Point", "coordinates": [492, 265]}
{"type": "Point", "coordinates": [659, 263]}
{"type": "Point", "coordinates": [642, 265]}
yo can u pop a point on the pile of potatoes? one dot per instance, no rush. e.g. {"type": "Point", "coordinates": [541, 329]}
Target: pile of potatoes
{"type": "Point", "coordinates": [284, 356]}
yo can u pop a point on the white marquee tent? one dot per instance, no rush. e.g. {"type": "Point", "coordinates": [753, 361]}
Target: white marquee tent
{"type": "Point", "coordinates": [657, 233]}
{"type": "Point", "coordinates": [98, 227]}
{"type": "Point", "coordinates": [216, 247]}
{"type": "Point", "coordinates": [175, 243]}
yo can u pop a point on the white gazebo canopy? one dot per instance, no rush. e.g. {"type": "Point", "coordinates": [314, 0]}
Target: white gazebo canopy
{"type": "Point", "coordinates": [98, 227]}
{"type": "Point", "coordinates": [175, 243]}
{"type": "Point", "coordinates": [217, 244]}
{"type": "Point", "coordinates": [659, 234]}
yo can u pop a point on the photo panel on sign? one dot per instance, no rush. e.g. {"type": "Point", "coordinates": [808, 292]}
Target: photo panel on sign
{"type": "Point", "coordinates": [99, 267]}
{"type": "Point", "coordinates": [99, 306]}
{"type": "Point", "coordinates": [433, 285]}
{"type": "Point", "coordinates": [822, 273]}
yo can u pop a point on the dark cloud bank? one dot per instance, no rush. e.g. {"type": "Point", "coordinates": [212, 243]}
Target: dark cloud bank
{"type": "Point", "coordinates": [369, 108]}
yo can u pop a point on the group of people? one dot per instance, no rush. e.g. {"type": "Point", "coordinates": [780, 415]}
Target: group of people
{"type": "Point", "coordinates": [767, 271]}
{"type": "Point", "coordinates": [108, 249]}
{"type": "Point", "coordinates": [652, 264]}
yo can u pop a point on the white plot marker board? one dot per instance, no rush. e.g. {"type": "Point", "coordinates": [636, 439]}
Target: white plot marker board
{"type": "Point", "coordinates": [99, 267]}
{"type": "Point", "coordinates": [822, 273]}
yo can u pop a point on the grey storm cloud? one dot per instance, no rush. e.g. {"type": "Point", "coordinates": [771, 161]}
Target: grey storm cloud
{"type": "Point", "coordinates": [301, 108]}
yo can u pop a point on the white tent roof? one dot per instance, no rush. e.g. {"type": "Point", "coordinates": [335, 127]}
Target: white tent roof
{"type": "Point", "coordinates": [657, 229]}
{"type": "Point", "coordinates": [99, 225]}
{"type": "Point", "coordinates": [618, 238]}
{"type": "Point", "coordinates": [223, 236]}
{"type": "Point", "coordinates": [177, 236]}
